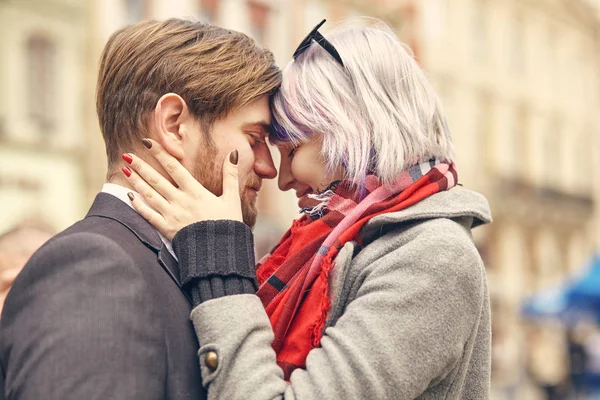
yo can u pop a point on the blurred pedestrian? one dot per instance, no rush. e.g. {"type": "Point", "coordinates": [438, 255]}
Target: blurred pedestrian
{"type": "Point", "coordinates": [578, 360]}
{"type": "Point", "coordinates": [591, 376]}
{"type": "Point", "coordinates": [16, 246]}
{"type": "Point", "coordinates": [547, 364]}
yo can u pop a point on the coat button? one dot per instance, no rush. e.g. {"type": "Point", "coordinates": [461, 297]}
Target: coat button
{"type": "Point", "coordinates": [211, 360]}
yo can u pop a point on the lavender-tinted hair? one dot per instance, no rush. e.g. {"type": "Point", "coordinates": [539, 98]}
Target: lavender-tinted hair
{"type": "Point", "coordinates": [377, 114]}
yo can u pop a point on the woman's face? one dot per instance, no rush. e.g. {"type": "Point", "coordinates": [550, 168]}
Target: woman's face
{"type": "Point", "coordinates": [303, 169]}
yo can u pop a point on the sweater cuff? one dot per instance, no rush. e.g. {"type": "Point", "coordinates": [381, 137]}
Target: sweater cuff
{"type": "Point", "coordinates": [216, 258]}
{"type": "Point", "coordinates": [214, 287]}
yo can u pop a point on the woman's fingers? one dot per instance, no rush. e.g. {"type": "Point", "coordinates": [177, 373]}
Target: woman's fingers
{"type": "Point", "coordinates": [155, 180]}
{"type": "Point", "coordinates": [148, 192]}
{"type": "Point", "coordinates": [170, 208]}
{"type": "Point", "coordinates": [178, 172]}
{"type": "Point", "coordinates": [231, 207]}
{"type": "Point", "coordinates": [153, 217]}
{"type": "Point", "coordinates": [231, 188]}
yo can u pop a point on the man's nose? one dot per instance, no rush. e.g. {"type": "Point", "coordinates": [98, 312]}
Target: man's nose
{"type": "Point", "coordinates": [263, 163]}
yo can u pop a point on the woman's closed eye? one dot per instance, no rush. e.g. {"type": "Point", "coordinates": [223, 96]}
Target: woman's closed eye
{"type": "Point", "coordinates": [255, 139]}
{"type": "Point", "coordinates": [292, 151]}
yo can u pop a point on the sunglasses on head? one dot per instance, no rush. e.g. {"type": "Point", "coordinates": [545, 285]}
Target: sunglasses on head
{"type": "Point", "coordinates": [320, 39]}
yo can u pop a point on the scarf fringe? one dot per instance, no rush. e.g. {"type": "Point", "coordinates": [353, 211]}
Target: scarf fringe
{"type": "Point", "coordinates": [318, 210]}
{"type": "Point", "coordinates": [316, 329]}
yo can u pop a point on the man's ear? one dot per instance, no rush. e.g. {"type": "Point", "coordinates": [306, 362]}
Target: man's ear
{"type": "Point", "coordinates": [170, 113]}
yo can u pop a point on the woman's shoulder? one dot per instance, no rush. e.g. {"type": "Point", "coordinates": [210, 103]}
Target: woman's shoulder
{"type": "Point", "coordinates": [423, 239]}
{"type": "Point", "coordinates": [439, 250]}
{"type": "Point", "coordinates": [432, 259]}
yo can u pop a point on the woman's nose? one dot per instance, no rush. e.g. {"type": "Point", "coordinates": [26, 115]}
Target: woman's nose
{"type": "Point", "coordinates": [285, 175]}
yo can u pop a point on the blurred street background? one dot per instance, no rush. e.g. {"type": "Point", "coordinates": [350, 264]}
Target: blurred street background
{"type": "Point", "coordinates": [520, 83]}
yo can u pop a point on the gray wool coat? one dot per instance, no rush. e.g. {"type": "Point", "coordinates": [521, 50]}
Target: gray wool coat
{"type": "Point", "coordinates": [410, 317]}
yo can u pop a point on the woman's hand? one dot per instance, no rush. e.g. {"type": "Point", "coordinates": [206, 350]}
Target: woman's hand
{"type": "Point", "coordinates": [169, 208]}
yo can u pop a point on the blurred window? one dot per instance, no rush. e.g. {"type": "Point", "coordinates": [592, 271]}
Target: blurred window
{"type": "Point", "coordinates": [479, 32]}
{"type": "Point", "coordinates": [551, 258]}
{"type": "Point", "coordinates": [41, 81]}
{"type": "Point", "coordinates": [584, 74]}
{"type": "Point", "coordinates": [584, 160]}
{"type": "Point", "coordinates": [259, 20]}
{"type": "Point", "coordinates": [313, 14]}
{"type": "Point", "coordinates": [446, 91]}
{"type": "Point", "coordinates": [532, 263]}
{"type": "Point", "coordinates": [208, 10]}
{"type": "Point", "coordinates": [136, 10]}
{"type": "Point", "coordinates": [482, 129]}
{"type": "Point", "coordinates": [523, 145]}
{"type": "Point", "coordinates": [551, 67]}
{"type": "Point", "coordinates": [518, 145]}
{"type": "Point", "coordinates": [435, 14]}
{"type": "Point", "coordinates": [551, 155]}
{"type": "Point", "coordinates": [517, 46]}
{"type": "Point", "coordinates": [510, 144]}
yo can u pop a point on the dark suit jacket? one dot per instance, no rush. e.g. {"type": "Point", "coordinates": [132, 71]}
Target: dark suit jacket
{"type": "Point", "coordinates": [98, 313]}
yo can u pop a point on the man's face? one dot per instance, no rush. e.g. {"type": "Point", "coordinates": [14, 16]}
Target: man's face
{"type": "Point", "coordinates": [244, 130]}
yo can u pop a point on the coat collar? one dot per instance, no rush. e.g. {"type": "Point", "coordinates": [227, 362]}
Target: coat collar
{"type": "Point", "coordinates": [469, 208]}
{"type": "Point", "coordinates": [108, 206]}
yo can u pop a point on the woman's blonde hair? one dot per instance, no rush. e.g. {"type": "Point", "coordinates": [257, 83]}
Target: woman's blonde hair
{"type": "Point", "coordinates": [377, 113]}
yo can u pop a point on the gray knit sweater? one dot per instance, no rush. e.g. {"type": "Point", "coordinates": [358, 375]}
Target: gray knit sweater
{"type": "Point", "coordinates": [410, 317]}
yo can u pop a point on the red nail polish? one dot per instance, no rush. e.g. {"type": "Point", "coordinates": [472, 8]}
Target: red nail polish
{"type": "Point", "coordinates": [127, 158]}
{"type": "Point", "coordinates": [127, 171]}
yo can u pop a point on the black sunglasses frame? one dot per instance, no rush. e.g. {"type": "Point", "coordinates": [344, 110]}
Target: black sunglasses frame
{"type": "Point", "coordinates": [320, 39]}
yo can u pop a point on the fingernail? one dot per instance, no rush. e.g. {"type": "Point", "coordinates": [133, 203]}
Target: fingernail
{"type": "Point", "coordinates": [127, 171]}
{"type": "Point", "coordinates": [130, 195]}
{"type": "Point", "coordinates": [233, 157]}
{"type": "Point", "coordinates": [147, 143]}
{"type": "Point", "coordinates": [127, 158]}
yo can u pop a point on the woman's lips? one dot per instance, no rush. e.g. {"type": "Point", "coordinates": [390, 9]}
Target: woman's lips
{"type": "Point", "coordinates": [305, 202]}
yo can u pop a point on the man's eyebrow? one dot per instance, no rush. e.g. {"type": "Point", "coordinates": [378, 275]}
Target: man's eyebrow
{"type": "Point", "coordinates": [262, 125]}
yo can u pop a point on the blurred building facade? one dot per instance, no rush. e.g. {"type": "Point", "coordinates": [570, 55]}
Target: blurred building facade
{"type": "Point", "coordinates": [41, 149]}
{"type": "Point", "coordinates": [519, 80]}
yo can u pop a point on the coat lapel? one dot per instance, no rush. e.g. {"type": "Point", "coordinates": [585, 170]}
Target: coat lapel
{"type": "Point", "coordinates": [170, 265]}
{"type": "Point", "coordinates": [108, 206]}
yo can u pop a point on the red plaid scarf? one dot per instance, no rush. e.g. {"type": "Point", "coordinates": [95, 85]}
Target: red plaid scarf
{"type": "Point", "coordinates": [293, 279]}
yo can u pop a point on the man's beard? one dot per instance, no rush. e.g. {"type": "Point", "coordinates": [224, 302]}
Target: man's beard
{"type": "Point", "coordinates": [209, 172]}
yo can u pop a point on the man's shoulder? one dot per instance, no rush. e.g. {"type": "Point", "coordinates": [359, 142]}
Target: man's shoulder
{"type": "Point", "coordinates": [94, 244]}
{"type": "Point", "coordinates": [89, 233]}
{"type": "Point", "coordinates": [92, 253]}
{"type": "Point", "coordinates": [80, 238]}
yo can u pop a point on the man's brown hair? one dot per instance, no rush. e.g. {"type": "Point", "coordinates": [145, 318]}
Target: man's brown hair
{"type": "Point", "coordinates": [214, 70]}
